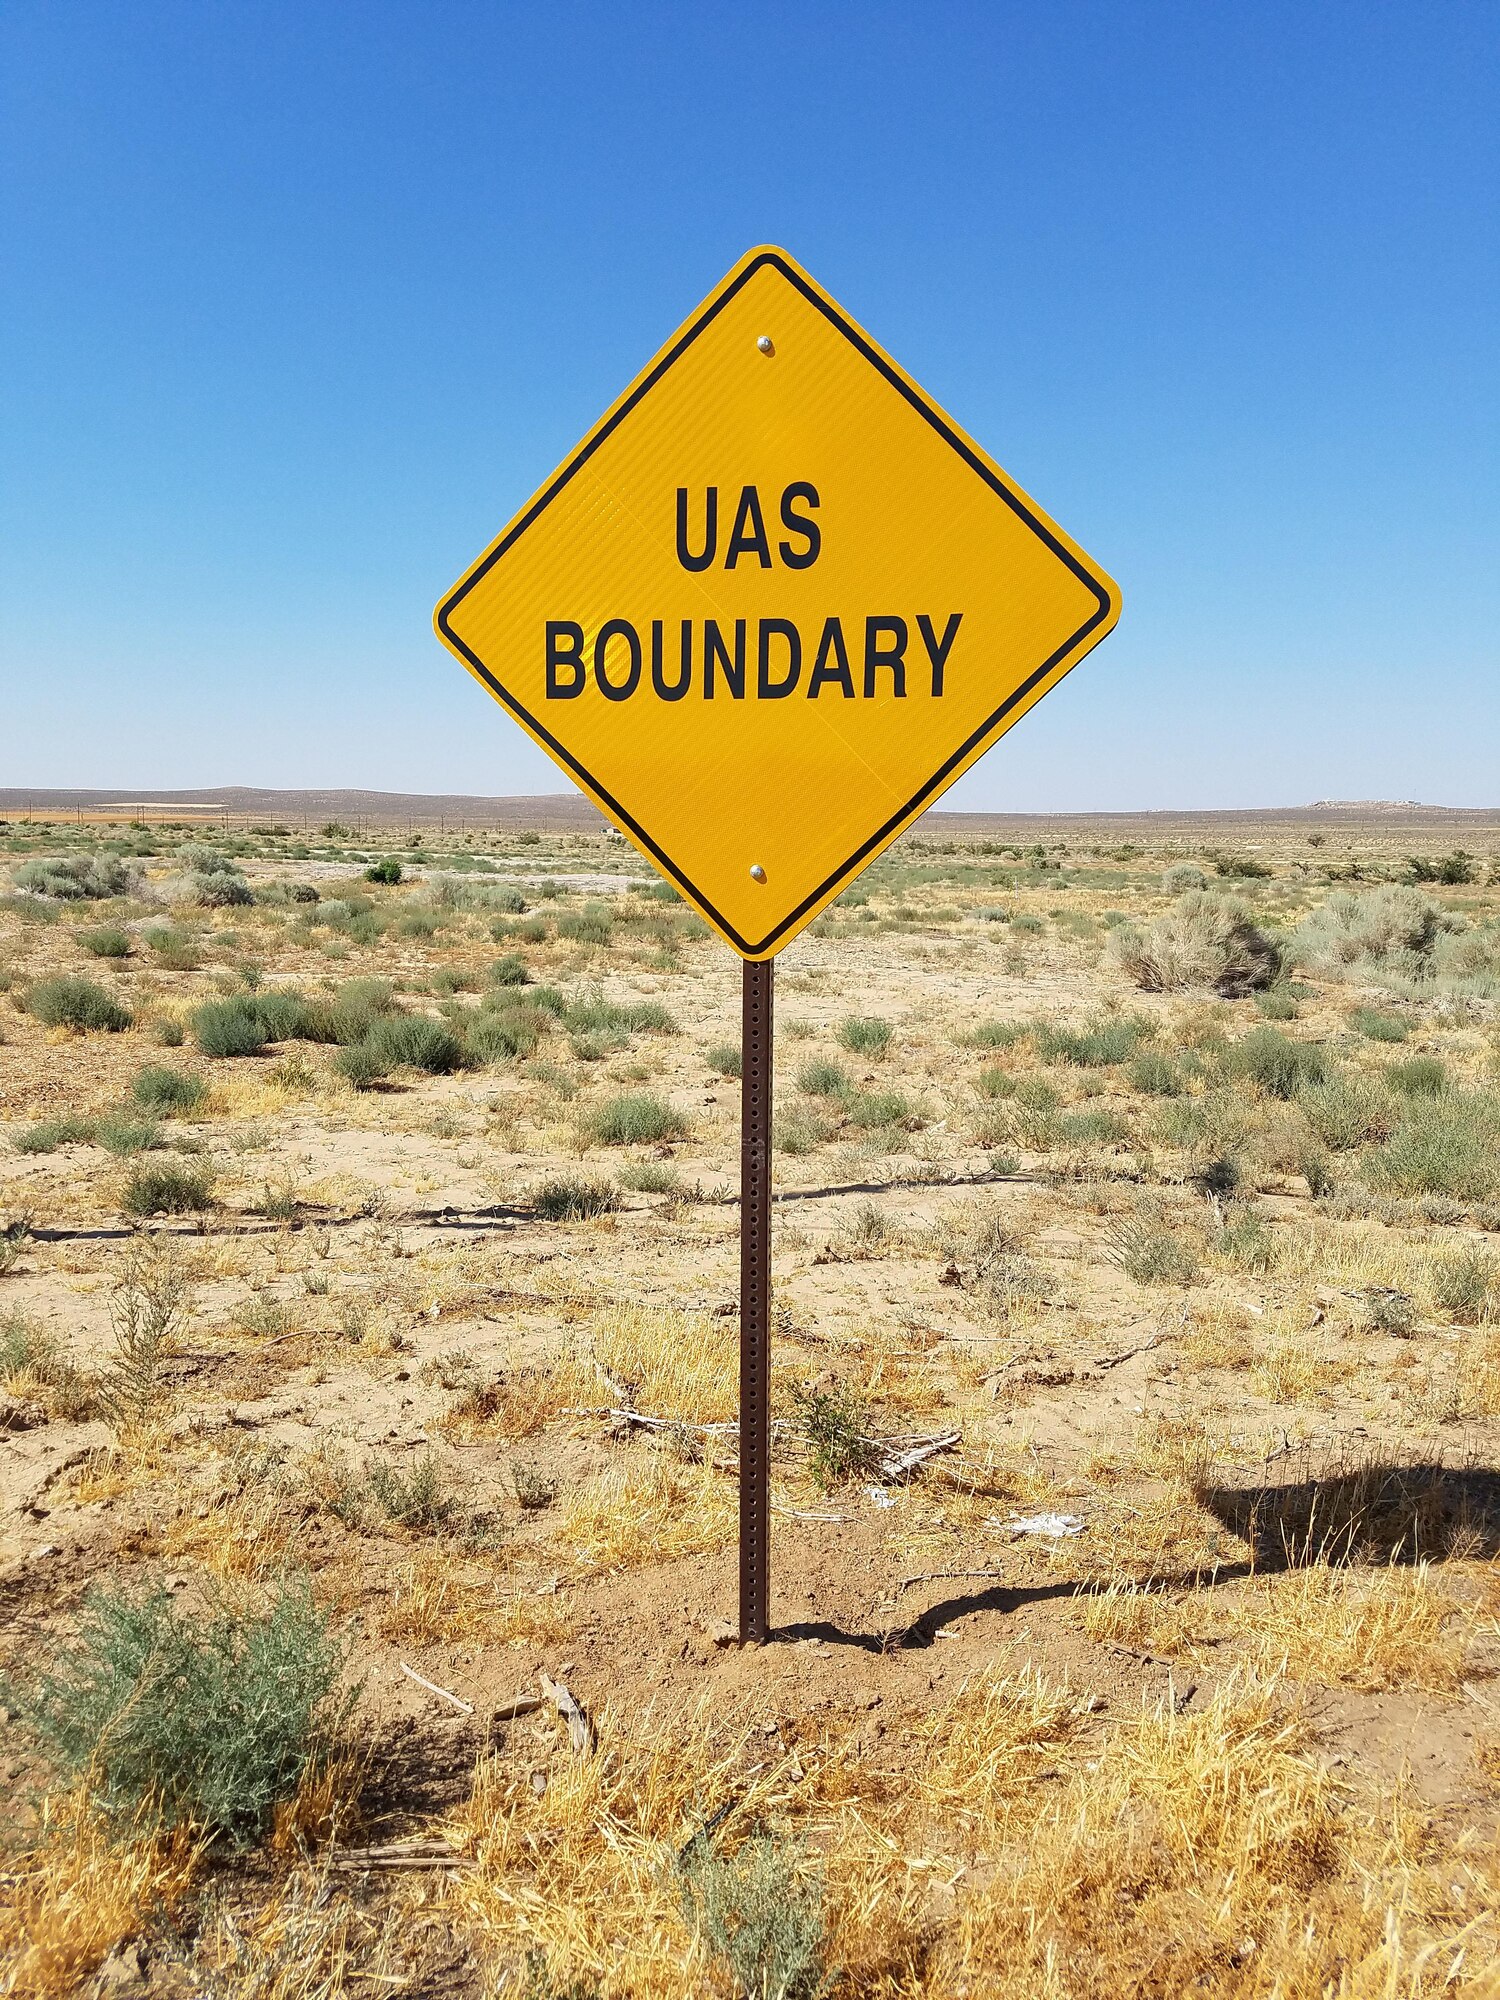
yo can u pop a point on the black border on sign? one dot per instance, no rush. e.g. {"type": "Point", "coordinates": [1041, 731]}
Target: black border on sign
{"type": "Point", "coordinates": [934, 417]}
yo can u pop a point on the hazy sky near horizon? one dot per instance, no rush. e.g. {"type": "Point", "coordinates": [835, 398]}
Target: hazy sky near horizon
{"type": "Point", "coordinates": [303, 301]}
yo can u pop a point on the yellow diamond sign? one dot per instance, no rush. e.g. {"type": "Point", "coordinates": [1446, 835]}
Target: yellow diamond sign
{"type": "Point", "coordinates": [773, 605]}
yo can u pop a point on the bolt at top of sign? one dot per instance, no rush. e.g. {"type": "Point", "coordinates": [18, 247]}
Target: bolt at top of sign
{"type": "Point", "coordinates": [764, 616]}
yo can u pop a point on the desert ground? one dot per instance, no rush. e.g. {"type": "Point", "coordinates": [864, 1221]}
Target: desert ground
{"type": "Point", "coordinates": [368, 1351]}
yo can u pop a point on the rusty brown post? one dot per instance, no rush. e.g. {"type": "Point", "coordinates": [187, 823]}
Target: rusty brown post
{"type": "Point", "coordinates": [755, 1302]}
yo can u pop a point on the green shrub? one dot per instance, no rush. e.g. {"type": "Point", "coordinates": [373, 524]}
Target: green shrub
{"type": "Point", "coordinates": [835, 1425]}
{"type": "Point", "coordinates": [157, 1088]}
{"type": "Point", "coordinates": [634, 1119]}
{"type": "Point", "coordinates": [34, 1363]}
{"type": "Point", "coordinates": [1208, 940]}
{"type": "Point", "coordinates": [726, 1058]}
{"type": "Point", "coordinates": [795, 1132]}
{"type": "Point", "coordinates": [865, 1036]}
{"type": "Point", "coordinates": [118, 1132]}
{"type": "Point", "coordinates": [50, 1133]}
{"type": "Point", "coordinates": [650, 1177]}
{"type": "Point", "coordinates": [414, 1041]}
{"type": "Point", "coordinates": [1156, 1075]}
{"type": "Point", "coordinates": [80, 1004]}
{"type": "Point", "coordinates": [1316, 1169]}
{"type": "Point", "coordinates": [1277, 1005]}
{"type": "Point", "coordinates": [222, 891]}
{"type": "Point", "coordinates": [360, 1065]}
{"type": "Point", "coordinates": [387, 869]}
{"type": "Point", "coordinates": [761, 1911]}
{"type": "Point", "coordinates": [106, 942]}
{"type": "Point", "coordinates": [1420, 1076]}
{"type": "Point", "coordinates": [1446, 1145]}
{"type": "Point", "coordinates": [507, 899]}
{"type": "Point", "coordinates": [168, 1032]}
{"type": "Point", "coordinates": [200, 1720]}
{"type": "Point", "coordinates": [593, 924]}
{"type": "Point", "coordinates": [1246, 1244]}
{"type": "Point", "coordinates": [230, 1027]}
{"type": "Point", "coordinates": [509, 971]}
{"type": "Point", "coordinates": [1028, 923]}
{"type": "Point", "coordinates": [168, 1187]}
{"type": "Point", "coordinates": [822, 1078]}
{"type": "Point", "coordinates": [502, 1034]}
{"type": "Point", "coordinates": [1279, 1065]}
{"type": "Point", "coordinates": [593, 1014]}
{"type": "Point", "coordinates": [995, 1034]}
{"type": "Point", "coordinates": [995, 1082]}
{"type": "Point", "coordinates": [1378, 1027]}
{"type": "Point", "coordinates": [536, 930]}
{"type": "Point", "coordinates": [879, 1110]}
{"type": "Point", "coordinates": [1096, 1046]}
{"type": "Point", "coordinates": [564, 1200]}
{"type": "Point", "coordinates": [1091, 1126]}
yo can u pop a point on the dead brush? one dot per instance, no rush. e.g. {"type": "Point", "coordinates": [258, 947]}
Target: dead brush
{"type": "Point", "coordinates": [147, 1314]}
{"type": "Point", "coordinates": [80, 1889]}
{"type": "Point", "coordinates": [648, 1512]}
{"type": "Point", "coordinates": [1368, 1630]}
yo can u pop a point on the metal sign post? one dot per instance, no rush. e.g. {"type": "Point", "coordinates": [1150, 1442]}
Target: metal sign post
{"type": "Point", "coordinates": [755, 1300]}
{"type": "Point", "coordinates": [764, 614]}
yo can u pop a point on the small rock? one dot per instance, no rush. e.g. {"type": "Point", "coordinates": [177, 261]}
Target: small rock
{"type": "Point", "coordinates": [123, 1971]}
{"type": "Point", "coordinates": [17, 1414]}
{"type": "Point", "coordinates": [539, 1783]}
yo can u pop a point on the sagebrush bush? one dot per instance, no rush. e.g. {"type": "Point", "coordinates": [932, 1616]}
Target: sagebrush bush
{"type": "Point", "coordinates": [1378, 1027]}
{"type": "Point", "coordinates": [592, 1014]}
{"type": "Point", "coordinates": [509, 971]}
{"type": "Point", "coordinates": [50, 1133]}
{"type": "Point", "coordinates": [564, 1200]}
{"type": "Point", "coordinates": [106, 942]}
{"type": "Point", "coordinates": [1420, 1076]}
{"type": "Point", "coordinates": [594, 924]}
{"type": "Point", "coordinates": [80, 1004]}
{"type": "Point", "coordinates": [1208, 940]}
{"type": "Point", "coordinates": [1156, 1075]}
{"type": "Point", "coordinates": [73, 878]}
{"type": "Point", "coordinates": [1347, 1111]}
{"type": "Point", "coordinates": [1148, 1251]}
{"type": "Point", "coordinates": [1464, 1285]}
{"type": "Point", "coordinates": [504, 1033]}
{"type": "Point", "coordinates": [157, 1088]}
{"type": "Point", "coordinates": [1388, 931]}
{"type": "Point", "coordinates": [636, 1118]}
{"type": "Point", "coordinates": [203, 1720]}
{"type": "Point", "coordinates": [1183, 876]}
{"type": "Point", "coordinates": [221, 890]}
{"type": "Point", "coordinates": [120, 1133]}
{"type": "Point", "coordinates": [388, 870]}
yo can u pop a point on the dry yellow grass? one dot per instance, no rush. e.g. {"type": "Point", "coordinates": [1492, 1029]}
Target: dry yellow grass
{"type": "Point", "coordinates": [1369, 1629]}
{"type": "Point", "coordinates": [651, 1510]}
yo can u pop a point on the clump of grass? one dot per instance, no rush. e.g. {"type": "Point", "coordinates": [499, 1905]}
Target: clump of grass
{"type": "Point", "coordinates": [1246, 1244]}
{"type": "Point", "coordinates": [167, 1091]}
{"type": "Point", "coordinates": [415, 1041]}
{"type": "Point", "coordinates": [1149, 1252]}
{"type": "Point", "coordinates": [635, 1118]}
{"type": "Point", "coordinates": [106, 942]}
{"type": "Point", "coordinates": [879, 1111]}
{"type": "Point", "coordinates": [1376, 1026]}
{"type": "Point", "coordinates": [1279, 1004]}
{"type": "Point", "coordinates": [995, 1034]}
{"type": "Point", "coordinates": [534, 1489]}
{"type": "Point", "coordinates": [80, 1004]}
{"type": "Point", "coordinates": [650, 1177]}
{"type": "Point", "coordinates": [862, 1035]}
{"type": "Point", "coordinates": [593, 924]}
{"type": "Point", "coordinates": [1097, 1046]}
{"type": "Point", "coordinates": [1464, 1286]}
{"type": "Point", "coordinates": [1420, 1076]}
{"type": "Point", "coordinates": [175, 950]}
{"type": "Point", "coordinates": [169, 1715]}
{"type": "Point", "coordinates": [834, 1422]}
{"type": "Point", "coordinates": [168, 1187]}
{"type": "Point", "coordinates": [1282, 1067]}
{"type": "Point", "coordinates": [592, 1014]}
{"type": "Point", "coordinates": [822, 1078]}
{"type": "Point", "coordinates": [1207, 940]}
{"type": "Point", "coordinates": [147, 1314]}
{"type": "Point", "coordinates": [761, 1911]}
{"type": "Point", "coordinates": [34, 1363]}
{"type": "Point", "coordinates": [796, 1132]}
{"type": "Point", "coordinates": [564, 1200]}
{"type": "Point", "coordinates": [725, 1059]}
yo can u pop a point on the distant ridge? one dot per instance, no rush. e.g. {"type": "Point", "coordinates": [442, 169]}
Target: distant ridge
{"type": "Point", "coordinates": [570, 812]}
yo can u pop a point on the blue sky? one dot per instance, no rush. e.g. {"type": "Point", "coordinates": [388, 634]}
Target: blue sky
{"type": "Point", "coordinates": [304, 300]}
